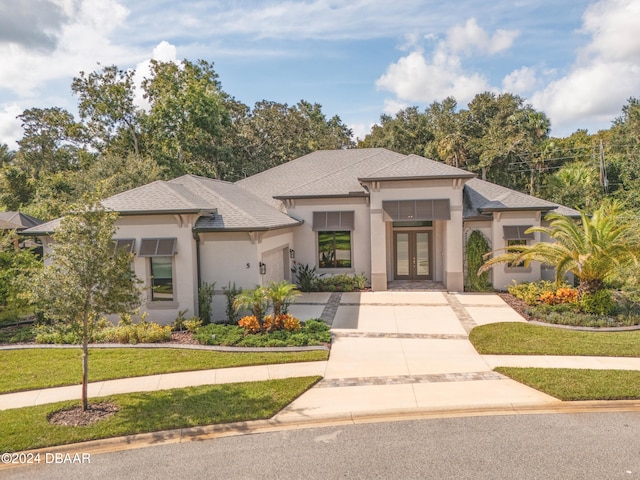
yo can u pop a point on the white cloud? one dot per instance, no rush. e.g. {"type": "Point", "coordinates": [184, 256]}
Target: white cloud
{"type": "Point", "coordinates": [606, 71]}
{"type": "Point", "coordinates": [10, 127]}
{"type": "Point", "coordinates": [521, 81]}
{"type": "Point", "coordinates": [414, 78]}
{"type": "Point", "coordinates": [81, 41]}
{"type": "Point", "coordinates": [391, 107]}
{"type": "Point", "coordinates": [163, 52]}
{"type": "Point", "coordinates": [359, 130]}
{"type": "Point", "coordinates": [613, 25]}
{"type": "Point", "coordinates": [471, 37]}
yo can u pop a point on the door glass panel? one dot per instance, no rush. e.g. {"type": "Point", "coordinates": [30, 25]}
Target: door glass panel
{"type": "Point", "coordinates": [402, 254]}
{"type": "Point", "coordinates": [422, 253]}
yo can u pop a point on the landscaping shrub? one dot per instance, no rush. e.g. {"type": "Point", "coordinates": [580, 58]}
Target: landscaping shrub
{"type": "Point", "coordinates": [560, 296]}
{"type": "Point", "coordinates": [193, 324]}
{"type": "Point", "coordinates": [216, 334]}
{"type": "Point", "coordinates": [599, 303]}
{"type": "Point", "coordinates": [250, 324]}
{"type": "Point", "coordinates": [178, 323]}
{"type": "Point", "coordinates": [477, 247]}
{"type": "Point", "coordinates": [101, 331]}
{"type": "Point", "coordinates": [231, 292]}
{"type": "Point", "coordinates": [205, 295]}
{"type": "Point", "coordinates": [342, 282]}
{"type": "Point", "coordinates": [143, 332]}
{"type": "Point", "coordinates": [313, 332]}
{"type": "Point", "coordinates": [530, 292]}
{"type": "Point", "coordinates": [306, 276]}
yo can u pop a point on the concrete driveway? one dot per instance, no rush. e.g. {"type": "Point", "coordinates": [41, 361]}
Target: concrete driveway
{"type": "Point", "coordinates": [409, 351]}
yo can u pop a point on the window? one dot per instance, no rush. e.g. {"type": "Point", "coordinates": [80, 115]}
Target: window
{"type": "Point", "coordinates": [334, 249]}
{"type": "Point", "coordinates": [126, 244]}
{"type": "Point", "coordinates": [516, 235]}
{"type": "Point", "coordinates": [161, 279]}
{"type": "Point", "coordinates": [160, 252]}
{"type": "Point", "coordinates": [514, 243]}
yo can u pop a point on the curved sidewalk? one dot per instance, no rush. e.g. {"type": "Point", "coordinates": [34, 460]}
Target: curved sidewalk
{"type": "Point", "coordinates": [392, 351]}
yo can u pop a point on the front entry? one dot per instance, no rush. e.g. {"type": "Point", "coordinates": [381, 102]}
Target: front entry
{"type": "Point", "coordinates": [412, 255]}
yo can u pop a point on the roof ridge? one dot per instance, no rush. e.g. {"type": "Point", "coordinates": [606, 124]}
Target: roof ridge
{"type": "Point", "coordinates": [404, 157]}
{"type": "Point", "coordinates": [169, 187]}
{"type": "Point", "coordinates": [223, 200]}
{"type": "Point", "coordinates": [379, 151]}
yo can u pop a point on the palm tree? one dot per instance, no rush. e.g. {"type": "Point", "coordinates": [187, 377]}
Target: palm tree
{"type": "Point", "coordinates": [281, 294]}
{"type": "Point", "coordinates": [255, 300]}
{"type": "Point", "coordinates": [593, 249]}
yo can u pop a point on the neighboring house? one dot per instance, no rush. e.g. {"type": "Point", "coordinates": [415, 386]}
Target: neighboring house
{"type": "Point", "coordinates": [388, 215]}
{"type": "Point", "coordinates": [17, 221]}
{"type": "Point", "coordinates": [10, 221]}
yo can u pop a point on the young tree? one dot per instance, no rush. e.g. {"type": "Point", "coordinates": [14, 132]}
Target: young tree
{"type": "Point", "coordinates": [87, 276]}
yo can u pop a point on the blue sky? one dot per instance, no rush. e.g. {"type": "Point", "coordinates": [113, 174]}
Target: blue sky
{"type": "Point", "coordinates": [578, 60]}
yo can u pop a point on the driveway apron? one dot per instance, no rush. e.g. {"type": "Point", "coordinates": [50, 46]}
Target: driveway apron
{"type": "Point", "coordinates": [403, 351]}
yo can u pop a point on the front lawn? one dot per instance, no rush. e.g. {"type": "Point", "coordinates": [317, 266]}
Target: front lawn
{"type": "Point", "coordinates": [28, 428]}
{"type": "Point", "coordinates": [579, 384]}
{"type": "Point", "coordinates": [37, 368]}
{"type": "Point", "coordinates": [526, 339]}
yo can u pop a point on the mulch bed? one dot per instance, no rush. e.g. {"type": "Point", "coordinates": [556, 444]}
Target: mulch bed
{"type": "Point", "coordinates": [76, 417]}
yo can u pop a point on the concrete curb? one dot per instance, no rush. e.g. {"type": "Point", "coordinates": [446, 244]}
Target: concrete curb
{"type": "Point", "coordinates": [207, 432]}
{"type": "Point", "coordinates": [630, 328]}
{"type": "Point", "coordinates": [213, 348]}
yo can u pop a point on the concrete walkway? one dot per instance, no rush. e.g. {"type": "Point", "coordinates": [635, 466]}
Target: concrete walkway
{"type": "Point", "coordinates": [393, 352]}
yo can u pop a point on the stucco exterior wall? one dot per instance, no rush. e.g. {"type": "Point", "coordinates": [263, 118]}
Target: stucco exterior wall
{"type": "Point", "coordinates": [185, 285]}
{"type": "Point", "coordinates": [447, 238]}
{"type": "Point", "coordinates": [503, 275]}
{"type": "Point", "coordinates": [305, 240]}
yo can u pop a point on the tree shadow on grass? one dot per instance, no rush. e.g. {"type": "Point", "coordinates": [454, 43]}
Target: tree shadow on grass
{"type": "Point", "coordinates": [167, 413]}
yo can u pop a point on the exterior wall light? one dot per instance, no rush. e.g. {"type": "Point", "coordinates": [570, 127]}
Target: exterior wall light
{"type": "Point", "coordinates": [292, 253]}
{"type": "Point", "coordinates": [263, 268]}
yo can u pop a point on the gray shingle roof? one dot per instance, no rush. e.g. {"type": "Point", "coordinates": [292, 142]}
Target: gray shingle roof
{"type": "Point", "coordinates": [235, 208]}
{"type": "Point", "coordinates": [43, 229]}
{"type": "Point", "coordinates": [482, 197]}
{"type": "Point", "coordinates": [17, 220]}
{"type": "Point", "coordinates": [416, 167]}
{"type": "Point", "coordinates": [328, 173]}
{"type": "Point", "coordinates": [223, 205]}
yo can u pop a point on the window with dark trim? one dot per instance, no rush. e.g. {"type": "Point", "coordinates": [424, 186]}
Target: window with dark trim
{"type": "Point", "coordinates": [126, 244]}
{"type": "Point", "coordinates": [334, 249]}
{"type": "Point", "coordinates": [160, 252]}
{"type": "Point", "coordinates": [514, 243]}
{"type": "Point", "coordinates": [161, 279]}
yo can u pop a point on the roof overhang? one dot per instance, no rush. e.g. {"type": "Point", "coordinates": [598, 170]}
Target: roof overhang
{"type": "Point", "coordinates": [337, 195]}
{"type": "Point", "coordinates": [415, 177]}
{"type": "Point", "coordinates": [516, 209]}
{"type": "Point", "coordinates": [246, 229]}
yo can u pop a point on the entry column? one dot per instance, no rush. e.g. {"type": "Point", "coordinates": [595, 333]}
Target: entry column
{"type": "Point", "coordinates": [378, 251]}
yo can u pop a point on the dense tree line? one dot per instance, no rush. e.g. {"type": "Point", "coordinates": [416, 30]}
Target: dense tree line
{"type": "Point", "coordinates": [190, 125]}
{"type": "Point", "coordinates": [506, 141]}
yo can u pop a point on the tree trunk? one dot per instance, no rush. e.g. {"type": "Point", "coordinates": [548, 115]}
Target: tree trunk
{"type": "Point", "coordinates": [85, 361]}
{"type": "Point", "coordinates": [589, 287]}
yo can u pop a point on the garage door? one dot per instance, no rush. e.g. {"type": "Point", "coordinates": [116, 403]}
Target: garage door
{"type": "Point", "coordinates": [277, 264]}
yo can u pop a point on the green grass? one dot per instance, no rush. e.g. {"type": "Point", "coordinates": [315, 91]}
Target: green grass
{"type": "Point", "coordinates": [30, 369]}
{"type": "Point", "coordinates": [525, 339]}
{"type": "Point", "coordinates": [28, 428]}
{"type": "Point", "coordinates": [579, 384]}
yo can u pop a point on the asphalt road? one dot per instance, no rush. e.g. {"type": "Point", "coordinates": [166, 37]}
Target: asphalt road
{"type": "Point", "coordinates": [599, 446]}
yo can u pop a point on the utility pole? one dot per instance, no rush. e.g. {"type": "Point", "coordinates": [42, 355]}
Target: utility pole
{"type": "Point", "coordinates": [604, 181]}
